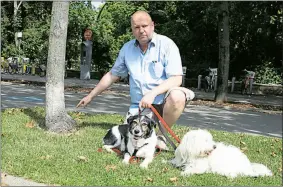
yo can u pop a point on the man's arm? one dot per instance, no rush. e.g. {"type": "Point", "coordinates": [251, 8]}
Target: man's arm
{"type": "Point", "coordinates": [173, 81]}
{"type": "Point", "coordinates": [107, 80]}
{"type": "Point", "coordinates": [118, 70]}
{"type": "Point", "coordinates": [174, 72]}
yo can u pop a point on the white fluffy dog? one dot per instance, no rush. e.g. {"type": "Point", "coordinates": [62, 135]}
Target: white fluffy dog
{"type": "Point", "coordinates": [198, 153]}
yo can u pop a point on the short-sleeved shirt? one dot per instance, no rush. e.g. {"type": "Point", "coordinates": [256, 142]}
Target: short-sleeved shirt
{"type": "Point", "coordinates": [149, 69]}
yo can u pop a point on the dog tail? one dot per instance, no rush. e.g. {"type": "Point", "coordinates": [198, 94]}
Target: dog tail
{"type": "Point", "coordinates": [260, 170]}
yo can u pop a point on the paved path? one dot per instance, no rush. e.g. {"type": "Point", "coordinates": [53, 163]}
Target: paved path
{"type": "Point", "coordinates": [10, 180]}
{"type": "Point", "coordinates": [254, 99]}
{"type": "Point", "coordinates": [14, 95]}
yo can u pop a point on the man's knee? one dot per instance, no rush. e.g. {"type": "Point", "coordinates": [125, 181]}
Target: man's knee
{"type": "Point", "coordinates": [176, 98]}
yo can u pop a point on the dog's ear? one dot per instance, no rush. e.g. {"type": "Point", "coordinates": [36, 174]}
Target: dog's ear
{"type": "Point", "coordinates": [131, 119]}
{"type": "Point", "coordinates": [152, 123]}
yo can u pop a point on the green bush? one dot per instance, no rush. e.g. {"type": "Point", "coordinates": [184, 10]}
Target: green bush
{"type": "Point", "coordinates": [267, 74]}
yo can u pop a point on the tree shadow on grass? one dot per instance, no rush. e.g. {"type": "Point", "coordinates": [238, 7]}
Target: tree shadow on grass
{"type": "Point", "coordinates": [37, 114]}
{"type": "Point", "coordinates": [105, 126]}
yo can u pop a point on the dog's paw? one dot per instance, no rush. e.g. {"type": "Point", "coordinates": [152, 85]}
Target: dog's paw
{"type": "Point", "coordinates": [186, 173]}
{"type": "Point", "coordinates": [173, 162]}
{"type": "Point", "coordinates": [125, 161]}
{"type": "Point", "coordinates": [108, 149]}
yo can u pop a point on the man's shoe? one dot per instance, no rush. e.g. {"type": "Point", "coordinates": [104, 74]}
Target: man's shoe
{"type": "Point", "coordinates": [161, 143]}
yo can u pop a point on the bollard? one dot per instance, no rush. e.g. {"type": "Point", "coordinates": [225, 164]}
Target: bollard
{"type": "Point", "coordinates": [24, 68]}
{"type": "Point", "coordinates": [233, 84]}
{"type": "Point", "coordinates": [199, 82]}
{"type": "Point", "coordinates": [215, 82]}
{"type": "Point", "coordinates": [184, 76]}
{"type": "Point", "coordinates": [251, 85]}
{"type": "Point", "coordinates": [33, 69]}
{"type": "Point", "coordinates": [28, 70]}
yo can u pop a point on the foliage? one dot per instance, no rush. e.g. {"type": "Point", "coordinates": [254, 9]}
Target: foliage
{"type": "Point", "coordinates": [256, 34]}
{"type": "Point", "coordinates": [267, 74]}
{"type": "Point", "coordinates": [255, 31]}
{"type": "Point", "coordinates": [111, 31]}
{"type": "Point", "coordinates": [35, 28]}
{"type": "Point", "coordinates": [81, 17]}
{"type": "Point", "coordinates": [36, 31]}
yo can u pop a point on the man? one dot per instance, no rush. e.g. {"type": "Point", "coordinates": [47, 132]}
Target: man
{"type": "Point", "coordinates": [154, 64]}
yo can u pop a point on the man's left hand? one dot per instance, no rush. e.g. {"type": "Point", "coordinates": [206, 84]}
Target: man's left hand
{"type": "Point", "coordinates": [147, 100]}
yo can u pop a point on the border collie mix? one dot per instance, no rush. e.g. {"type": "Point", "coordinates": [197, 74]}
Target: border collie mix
{"type": "Point", "coordinates": [137, 138]}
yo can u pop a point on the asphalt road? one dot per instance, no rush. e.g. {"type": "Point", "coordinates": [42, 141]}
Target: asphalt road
{"type": "Point", "coordinates": [15, 95]}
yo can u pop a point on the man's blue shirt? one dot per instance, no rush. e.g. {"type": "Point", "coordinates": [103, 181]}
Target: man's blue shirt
{"type": "Point", "coordinates": [148, 70]}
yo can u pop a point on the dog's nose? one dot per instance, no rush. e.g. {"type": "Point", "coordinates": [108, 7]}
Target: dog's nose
{"type": "Point", "coordinates": [214, 147]}
{"type": "Point", "coordinates": [136, 131]}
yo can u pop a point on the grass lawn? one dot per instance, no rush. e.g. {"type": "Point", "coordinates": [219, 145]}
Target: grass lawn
{"type": "Point", "coordinates": [74, 160]}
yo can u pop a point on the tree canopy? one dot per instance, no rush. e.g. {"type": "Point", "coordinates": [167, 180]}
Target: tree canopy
{"type": "Point", "coordinates": [255, 33]}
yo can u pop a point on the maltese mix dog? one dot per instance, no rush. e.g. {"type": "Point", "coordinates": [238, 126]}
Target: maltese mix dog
{"type": "Point", "coordinates": [198, 153]}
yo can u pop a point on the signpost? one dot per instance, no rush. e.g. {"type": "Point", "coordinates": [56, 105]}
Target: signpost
{"type": "Point", "coordinates": [86, 55]}
{"type": "Point", "coordinates": [184, 75]}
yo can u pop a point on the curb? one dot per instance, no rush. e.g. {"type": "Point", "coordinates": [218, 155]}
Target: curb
{"type": "Point", "coordinates": [259, 107]}
{"type": "Point", "coordinates": [9, 180]}
{"type": "Point", "coordinates": [29, 82]}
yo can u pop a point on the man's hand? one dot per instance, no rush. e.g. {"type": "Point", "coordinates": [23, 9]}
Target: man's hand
{"type": "Point", "coordinates": [147, 100]}
{"type": "Point", "coordinates": [87, 99]}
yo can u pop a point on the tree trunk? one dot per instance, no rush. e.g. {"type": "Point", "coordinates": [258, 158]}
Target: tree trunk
{"type": "Point", "coordinates": [224, 54]}
{"type": "Point", "coordinates": [57, 119]}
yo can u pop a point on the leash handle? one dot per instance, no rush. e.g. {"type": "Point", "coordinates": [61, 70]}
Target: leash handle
{"type": "Point", "coordinates": [165, 124]}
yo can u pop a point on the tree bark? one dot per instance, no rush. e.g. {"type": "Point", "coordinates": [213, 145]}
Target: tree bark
{"type": "Point", "coordinates": [56, 119]}
{"type": "Point", "coordinates": [224, 53]}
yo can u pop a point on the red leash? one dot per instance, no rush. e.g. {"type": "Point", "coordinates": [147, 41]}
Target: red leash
{"type": "Point", "coordinates": [165, 124]}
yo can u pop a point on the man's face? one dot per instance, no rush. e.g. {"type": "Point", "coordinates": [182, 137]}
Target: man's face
{"type": "Point", "coordinates": [142, 28]}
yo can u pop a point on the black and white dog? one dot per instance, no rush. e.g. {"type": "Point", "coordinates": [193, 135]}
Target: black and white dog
{"type": "Point", "coordinates": [137, 138]}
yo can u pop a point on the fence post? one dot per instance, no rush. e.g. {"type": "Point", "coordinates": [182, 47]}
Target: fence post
{"type": "Point", "coordinates": [184, 75]}
{"type": "Point", "coordinates": [199, 82]}
{"type": "Point", "coordinates": [233, 84]}
{"type": "Point", "coordinates": [251, 79]}
{"type": "Point", "coordinates": [33, 69]}
{"type": "Point", "coordinates": [251, 85]}
{"type": "Point", "coordinates": [215, 82]}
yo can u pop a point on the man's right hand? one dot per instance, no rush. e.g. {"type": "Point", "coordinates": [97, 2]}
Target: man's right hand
{"type": "Point", "coordinates": [87, 99]}
{"type": "Point", "coordinates": [103, 84]}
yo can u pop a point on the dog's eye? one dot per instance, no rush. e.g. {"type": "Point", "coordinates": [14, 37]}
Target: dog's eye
{"type": "Point", "coordinates": [144, 126]}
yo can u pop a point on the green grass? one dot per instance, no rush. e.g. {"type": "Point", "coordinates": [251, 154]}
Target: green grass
{"type": "Point", "coordinates": [36, 154]}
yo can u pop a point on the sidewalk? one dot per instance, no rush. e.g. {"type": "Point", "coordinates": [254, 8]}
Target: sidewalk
{"type": "Point", "coordinates": [268, 100]}
{"type": "Point", "coordinates": [8, 180]}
